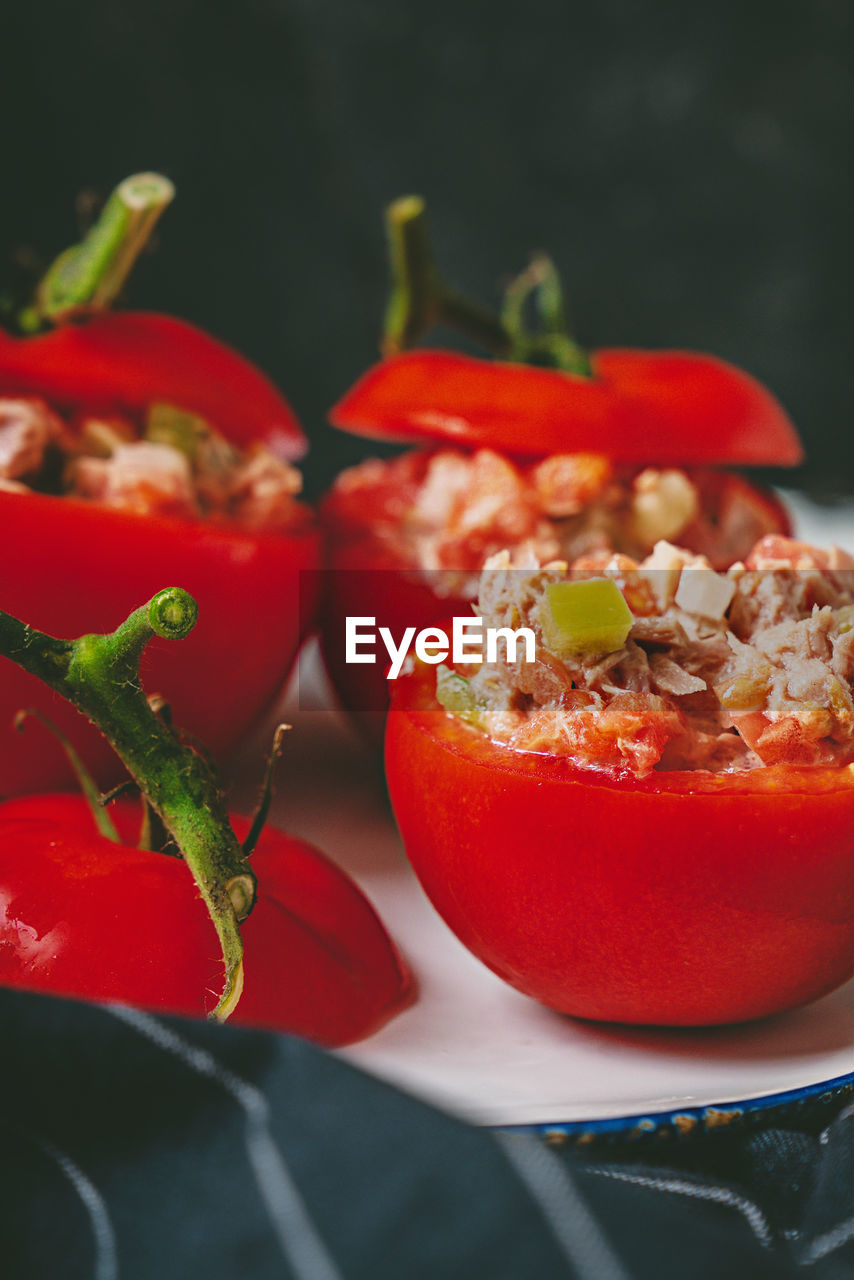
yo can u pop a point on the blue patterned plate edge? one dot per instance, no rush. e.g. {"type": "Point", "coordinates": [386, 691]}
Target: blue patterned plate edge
{"type": "Point", "coordinates": [689, 1122]}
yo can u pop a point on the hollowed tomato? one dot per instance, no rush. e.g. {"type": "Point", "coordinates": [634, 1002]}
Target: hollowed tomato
{"type": "Point", "coordinates": [685, 898]}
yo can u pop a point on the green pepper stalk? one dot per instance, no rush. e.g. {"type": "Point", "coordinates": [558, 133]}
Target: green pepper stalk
{"type": "Point", "coordinates": [99, 675]}
{"type": "Point", "coordinates": [421, 298]}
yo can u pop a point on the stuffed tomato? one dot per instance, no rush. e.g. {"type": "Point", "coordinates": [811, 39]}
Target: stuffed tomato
{"type": "Point", "coordinates": [654, 821]}
{"type": "Point", "coordinates": [89, 533]}
{"type": "Point", "coordinates": [549, 449]}
{"type": "Point", "coordinates": [137, 449]}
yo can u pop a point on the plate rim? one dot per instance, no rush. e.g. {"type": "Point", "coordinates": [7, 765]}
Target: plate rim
{"type": "Point", "coordinates": [685, 1122]}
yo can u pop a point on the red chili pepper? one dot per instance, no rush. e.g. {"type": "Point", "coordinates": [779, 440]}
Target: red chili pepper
{"type": "Point", "coordinates": [686, 898]}
{"type": "Point", "coordinates": [59, 549]}
{"type": "Point", "coordinates": [129, 360]}
{"type": "Point", "coordinates": [649, 407]}
{"type": "Point", "coordinates": [83, 916]}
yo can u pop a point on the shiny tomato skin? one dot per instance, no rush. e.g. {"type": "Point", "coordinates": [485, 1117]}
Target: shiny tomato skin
{"type": "Point", "coordinates": [682, 899]}
{"type": "Point", "coordinates": [646, 407]}
{"type": "Point", "coordinates": [82, 916]}
{"type": "Point", "coordinates": [72, 567]}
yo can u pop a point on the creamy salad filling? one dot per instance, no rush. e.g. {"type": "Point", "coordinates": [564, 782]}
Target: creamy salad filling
{"type": "Point", "coordinates": [666, 663]}
{"type": "Point", "coordinates": [445, 512]}
{"type": "Point", "coordinates": [172, 464]}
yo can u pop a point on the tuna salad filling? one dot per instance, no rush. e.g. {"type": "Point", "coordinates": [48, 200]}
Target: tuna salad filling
{"type": "Point", "coordinates": [445, 512]}
{"type": "Point", "coordinates": [665, 664]}
{"type": "Point", "coordinates": [172, 464]}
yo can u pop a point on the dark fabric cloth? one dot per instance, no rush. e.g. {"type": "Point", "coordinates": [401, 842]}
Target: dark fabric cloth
{"type": "Point", "coordinates": [137, 1147]}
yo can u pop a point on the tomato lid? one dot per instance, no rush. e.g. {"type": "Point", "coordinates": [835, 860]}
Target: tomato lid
{"type": "Point", "coordinates": [674, 407]}
{"type": "Point", "coordinates": [128, 359]}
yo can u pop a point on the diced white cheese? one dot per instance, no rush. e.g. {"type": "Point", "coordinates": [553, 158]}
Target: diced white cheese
{"type": "Point", "coordinates": [662, 568]}
{"type": "Point", "coordinates": [704, 593]}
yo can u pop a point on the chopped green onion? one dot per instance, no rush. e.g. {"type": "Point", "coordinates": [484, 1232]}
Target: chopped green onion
{"type": "Point", "coordinates": [454, 693]}
{"type": "Point", "coordinates": [584, 617]}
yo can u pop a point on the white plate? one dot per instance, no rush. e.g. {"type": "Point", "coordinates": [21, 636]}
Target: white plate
{"type": "Point", "coordinates": [477, 1048]}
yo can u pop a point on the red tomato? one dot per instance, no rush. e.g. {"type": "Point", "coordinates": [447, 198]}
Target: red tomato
{"type": "Point", "coordinates": [72, 567]}
{"type": "Point", "coordinates": [673, 407]}
{"type": "Point", "coordinates": [82, 916]}
{"type": "Point", "coordinates": [681, 899]}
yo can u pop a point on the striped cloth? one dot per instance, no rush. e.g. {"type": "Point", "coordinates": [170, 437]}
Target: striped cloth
{"type": "Point", "coordinates": [148, 1148]}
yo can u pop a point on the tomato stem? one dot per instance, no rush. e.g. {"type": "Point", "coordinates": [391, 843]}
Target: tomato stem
{"type": "Point", "coordinates": [90, 275]}
{"type": "Point", "coordinates": [420, 299]}
{"type": "Point", "coordinates": [265, 799]}
{"type": "Point", "coordinates": [85, 781]}
{"type": "Point", "coordinates": [553, 345]}
{"type": "Point", "coordinates": [99, 674]}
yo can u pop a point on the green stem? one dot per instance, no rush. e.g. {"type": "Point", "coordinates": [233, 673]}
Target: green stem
{"type": "Point", "coordinates": [99, 674]}
{"type": "Point", "coordinates": [541, 279]}
{"type": "Point", "coordinates": [266, 797]}
{"type": "Point", "coordinates": [553, 345]}
{"type": "Point", "coordinates": [475, 322]}
{"type": "Point", "coordinates": [420, 299]}
{"type": "Point", "coordinates": [85, 781]}
{"type": "Point", "coordinates": [550, 295]}
{"type": "Point", "coordinates": [89, 276]}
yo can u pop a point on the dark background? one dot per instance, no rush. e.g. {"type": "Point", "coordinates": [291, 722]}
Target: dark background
{"type": "Point", "coordinates": [688, 166]}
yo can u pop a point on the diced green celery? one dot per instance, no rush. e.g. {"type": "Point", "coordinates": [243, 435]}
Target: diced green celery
{"type": "Point", "coordinates": [590, 616]}
{"type": "Point", "coordinates": [455, 694]}
{"type": "Point", "coordinates": [181, 430]}
{"type": "Point", "coordinates": [845, 617]}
